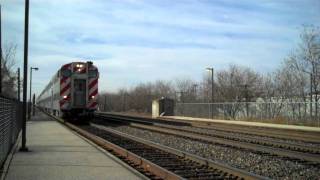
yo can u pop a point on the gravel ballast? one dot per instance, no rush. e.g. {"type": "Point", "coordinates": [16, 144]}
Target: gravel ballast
{"type": "Point", "coordinates": [240, 135]}
{"type": "Point", "coordinates": [262, 164]}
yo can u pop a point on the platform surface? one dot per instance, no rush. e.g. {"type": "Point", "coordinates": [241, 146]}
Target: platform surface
{"type": "Point", "coordinates": [56, 153]}
{"type": "Point", "coordinates": [247, 123]}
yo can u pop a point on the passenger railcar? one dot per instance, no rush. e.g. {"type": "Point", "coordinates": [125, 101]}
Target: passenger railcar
{"type": "Point", "coordinates": [72, 92]}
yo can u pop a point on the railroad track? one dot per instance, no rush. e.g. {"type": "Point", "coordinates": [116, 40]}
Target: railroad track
{"type": "Point", "coordinates": [256, 131]}
{"type": "Point", "coordinates": [261, 131]}
{"type": "Point", "coordinates": [156, 161]}
{"type": "Point", "coordinates": [182, 165]}
{"type": "Point", "coordinates": [254, 140]}
{"type": "Point", "coordinates": [286, 150]}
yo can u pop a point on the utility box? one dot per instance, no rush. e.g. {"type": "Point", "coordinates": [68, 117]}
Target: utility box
{"type": "Point", "coordinates": [162, 107]}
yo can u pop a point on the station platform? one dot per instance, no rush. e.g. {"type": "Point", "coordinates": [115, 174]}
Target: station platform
{"type": "Point", "coordinates": [247, 123]}
{"type": "Point", "coordinates": [228, 122]}
{"type": "Point", "coordinates": [57, 153]}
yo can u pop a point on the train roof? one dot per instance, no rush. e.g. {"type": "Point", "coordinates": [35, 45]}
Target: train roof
{"type": "Point", "coordinates": [77, 62]}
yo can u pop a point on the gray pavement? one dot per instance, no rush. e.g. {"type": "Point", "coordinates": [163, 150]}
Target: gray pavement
{"type": "Point", "coordinates": [248, 123]}
{"type": "Point", "coordinates": [57, 154]}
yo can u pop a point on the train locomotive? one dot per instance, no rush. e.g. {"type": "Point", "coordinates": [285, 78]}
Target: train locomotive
{"type": "Point", "coordinates": [72, 92]}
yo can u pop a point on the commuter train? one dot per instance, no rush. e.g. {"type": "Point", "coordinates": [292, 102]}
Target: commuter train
{"type": "Point", "coordinates": [72, 92]}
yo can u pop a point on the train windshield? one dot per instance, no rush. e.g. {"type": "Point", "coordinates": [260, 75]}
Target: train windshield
{"type": "Point", "coordinates": [66, 72]}
{"type": "Point", "coordinates": [93, 73]}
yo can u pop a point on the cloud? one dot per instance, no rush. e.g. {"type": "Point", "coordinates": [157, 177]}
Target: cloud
{"type": "Point", "coordinates": [138, 40]}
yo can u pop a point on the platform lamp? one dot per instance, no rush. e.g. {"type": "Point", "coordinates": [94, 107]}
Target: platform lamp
{"type": "Point", "coordinates": [210, 69]}
{"type": "Point", "coordinates": [29, 112]}
{"type": "Point", "coordinates": [24, 148]}
{"type": "Point", "coordinates": [0, 52]}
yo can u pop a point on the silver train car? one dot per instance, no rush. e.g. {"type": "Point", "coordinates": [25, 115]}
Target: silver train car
{"type": "Point", "coordinates": [72, 92]}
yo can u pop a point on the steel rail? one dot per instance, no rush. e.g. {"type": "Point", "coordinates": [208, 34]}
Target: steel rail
{"type": "Point", "coordinates": [223, 141]}
{"type": "Point", "coordinates": [261, 131]}
{"type": "Point", "coordinates": [264, 142]}
{"type": "Point", "coordinates": [225, 134]}
{"type": "Point", "coordinates": [289, 134]}
{"type": "Point", "coordinates": [233, 143]}
{"type": "Point", "coordinates": [146, 165]}
{"type": "Point", "coordinates": [158, 171]}
{"type": "Point", "coordinates": [215, 165]}
{"type": "Point", "coordinates": [143, 163]}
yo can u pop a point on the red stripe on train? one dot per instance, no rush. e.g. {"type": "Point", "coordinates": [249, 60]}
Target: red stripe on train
{"type": "Point", "coordinates": [62, 103]}
{"type": "Point", "coordinates": [63, 80]}
{"type": "Point", "coordinates": [84, 70]}
{"type": "Point", "coordinates": [93, 83]}
{"type": "Point", "coordinates": [64, 100]}
{"type": "Point", "coordinates": [93, 105]}
{"type": "Point", "coordinates": [66, 66]}
{"type": "Point", "coordinates": [65, 89]}
{"type": "Point", "coordinates": [94, 93]}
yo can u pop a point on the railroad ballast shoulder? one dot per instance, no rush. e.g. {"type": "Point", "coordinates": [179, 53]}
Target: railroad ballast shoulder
{"type": "Point", "coordinates": [72, 92]}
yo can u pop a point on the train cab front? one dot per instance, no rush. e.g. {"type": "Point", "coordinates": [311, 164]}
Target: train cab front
{"type": "Point", "coordinates": [84, 90]}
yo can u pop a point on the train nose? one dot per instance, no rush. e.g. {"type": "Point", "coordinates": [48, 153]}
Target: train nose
{"type": "Point", "coordinates": [79, 86]}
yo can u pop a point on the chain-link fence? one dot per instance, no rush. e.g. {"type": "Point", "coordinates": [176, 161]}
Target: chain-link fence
{"type": "Point", "coordinates": [10, 125]}
{"type": "Point", "coordinates": [297, 113]}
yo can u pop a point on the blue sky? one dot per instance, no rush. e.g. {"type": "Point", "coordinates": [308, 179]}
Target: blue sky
{"type": "Point", "coordinates": [135, 41]}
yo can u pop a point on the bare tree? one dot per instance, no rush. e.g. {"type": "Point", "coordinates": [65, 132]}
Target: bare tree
{"type": "Point", "coordinates": [185, 89]}
{"type": "Point", "coordinates": [163, 89]}
{"type": "Point", "coordinates": [8, 73]}
{"type": "Point", "coordinates": [306, 59]}
{"type": "Point", "coordinates": [238, 84]}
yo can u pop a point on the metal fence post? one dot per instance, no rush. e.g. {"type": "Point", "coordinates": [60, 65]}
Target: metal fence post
{"type": "Point", "coordinates": [209, 109]}
{"type": "Point", "coordinates": [18, 84]}
{"type": "Point", "coordinates": [288, 119]}
{"type": "Point", "coordinates": [34, 105]}
{"type": "Point", "coordinates": [224, 111]}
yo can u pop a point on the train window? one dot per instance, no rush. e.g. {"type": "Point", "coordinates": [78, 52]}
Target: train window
{"type": "Point", "coordinates": [93, 73]}
{"type": "Point", "coordinates": [66, 72]}
{"type": "Point", "coordinates": [79, 87]}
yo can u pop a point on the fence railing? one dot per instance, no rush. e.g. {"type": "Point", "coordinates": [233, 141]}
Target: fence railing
{"type": "Point", "coordinates": [297, 113]}
{"type": "Point", "coordinates": [10, 125]}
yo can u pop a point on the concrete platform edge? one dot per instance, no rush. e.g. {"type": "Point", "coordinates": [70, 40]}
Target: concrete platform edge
{"type": "Point", "coordinates": [246, 123]}
{"type": "Point", "coordinates": [134, 171]}
{"type": "Point", "coordinates": [109, 154]}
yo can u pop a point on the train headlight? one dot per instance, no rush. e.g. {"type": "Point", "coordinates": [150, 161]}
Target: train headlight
{"type": "Point", "coordinates": [92, 97]}
{"type": "Point", "coordinates": [79, 65]}
{"type": "Point", "coordinates": [65, 97]}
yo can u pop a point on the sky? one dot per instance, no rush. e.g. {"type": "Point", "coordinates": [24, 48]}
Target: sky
{"type": "Point", "coordinates": [133, 41]}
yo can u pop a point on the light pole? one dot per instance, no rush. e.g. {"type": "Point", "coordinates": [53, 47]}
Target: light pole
{"type": "Point", "coordinates": [212, 84]}
{"type": "Point", "coordinates": [105, 103]}
{"type": "Point", "coordinates": [0, 52]}
{"type": "Point", "coordinates": [246, 95]}
{"type": "Point", "coordinates": [25, 76]}
{"type": "Point", "coordinates": [30, 104]}
{"type": "Point", "coordinates": [18, 71]}
{"type": "Point", "coordinates": [195, 90]}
